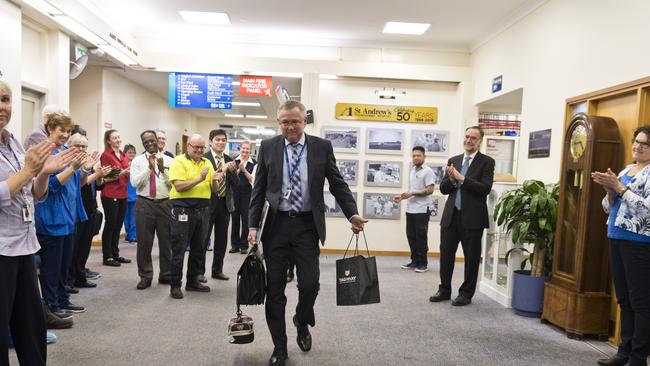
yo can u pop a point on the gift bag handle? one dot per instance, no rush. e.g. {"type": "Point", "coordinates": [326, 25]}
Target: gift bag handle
{"type": "Point", "coordinates": [356, 244]}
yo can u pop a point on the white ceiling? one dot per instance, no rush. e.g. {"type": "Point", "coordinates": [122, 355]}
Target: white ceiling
{"type": "Point", "coordinates": [455, 25]}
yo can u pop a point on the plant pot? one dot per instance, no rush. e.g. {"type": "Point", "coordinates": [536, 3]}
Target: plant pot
{"type": "Point", "coordinates": [528, 294]}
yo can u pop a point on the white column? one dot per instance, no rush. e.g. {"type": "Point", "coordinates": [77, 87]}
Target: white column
{"type": "Point", "coordinates": [58, 69]}
{"type": "Point", "coordinates": [309, 97]}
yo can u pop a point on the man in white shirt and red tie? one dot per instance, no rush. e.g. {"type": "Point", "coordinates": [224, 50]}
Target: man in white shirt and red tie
{"type": "Point", "coordinates": [150, 177]}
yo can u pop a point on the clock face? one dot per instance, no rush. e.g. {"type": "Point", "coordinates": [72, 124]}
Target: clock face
{"type": "Point", "coordinates": [578, 141]}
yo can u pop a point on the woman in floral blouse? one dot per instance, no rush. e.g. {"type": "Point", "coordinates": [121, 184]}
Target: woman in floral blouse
{"type": "Point", "coordinates": [628, 228]}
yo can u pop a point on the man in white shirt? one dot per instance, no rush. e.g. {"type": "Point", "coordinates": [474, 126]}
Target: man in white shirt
{"type": "Point", "coordinates": [150, 177]}
{"type": "Point", "coordinates": [417, 210]}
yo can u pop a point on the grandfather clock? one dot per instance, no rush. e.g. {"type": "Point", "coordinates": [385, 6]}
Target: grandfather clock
{"type": "Point", "coordinates": [576, 297]}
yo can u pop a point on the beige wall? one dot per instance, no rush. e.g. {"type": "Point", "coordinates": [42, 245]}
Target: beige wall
{"type": "Point", "coordinates": [563, 49]}
{"type": "Point", "coordinates": [387, 234]}
{"type": "Point", "coordinates": [10, 59]}
{"type": "Point", "coordinates": [132, 109]}
{"type": "Point", "coordinates": [86, 103]}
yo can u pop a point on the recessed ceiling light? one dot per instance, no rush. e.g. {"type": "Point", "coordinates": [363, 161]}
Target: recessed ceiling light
{"type": "Point", "coordinates": [406, 28]}
{"type": "Point", "coordinates": [233, 115]}
{"type": "Point", "coordinates": [258, 116]}
{"type": "Point", "coordinates": [203, 17]}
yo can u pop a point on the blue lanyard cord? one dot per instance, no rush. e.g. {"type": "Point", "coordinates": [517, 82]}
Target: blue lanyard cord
{"type": "Point", "coordinates": [290, 171]}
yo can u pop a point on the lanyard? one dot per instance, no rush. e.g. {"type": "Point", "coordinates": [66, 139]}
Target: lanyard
{"type": "Point", "coordinates": [9, 160]}
{"type": "Point", "coordinates": [22, 192]}
{"type": "Point", "coordinates": [291, 172]}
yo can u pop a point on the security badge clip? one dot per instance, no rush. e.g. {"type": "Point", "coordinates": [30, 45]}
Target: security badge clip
{"type": "Point", "coordinates": [182, 218]}
{"type": "Point", "coordinates": [287, 195]}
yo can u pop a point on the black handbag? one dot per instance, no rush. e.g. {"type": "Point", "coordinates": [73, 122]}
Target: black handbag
{"type": "Point", "coordinates": [357, 282]}
{"type": "Point", "coordinates": [98, 218]}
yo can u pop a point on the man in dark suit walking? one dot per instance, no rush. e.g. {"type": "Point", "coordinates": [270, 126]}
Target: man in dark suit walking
{"type": "Point", "coordinates": [290, 175]}
{"type": "Point", "coordinates": [468, 181]}
{"type": "Point", "coordinates": [222, 202]}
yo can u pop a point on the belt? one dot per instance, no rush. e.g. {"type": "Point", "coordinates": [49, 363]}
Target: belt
{"type": "Point", "coordinates": [155, 200]}
{"type": "Point", "coordinates": [294, 214]}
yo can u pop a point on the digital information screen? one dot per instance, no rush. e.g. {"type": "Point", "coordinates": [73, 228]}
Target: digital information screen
{"type": "Point", "coordinates": [207, 91]}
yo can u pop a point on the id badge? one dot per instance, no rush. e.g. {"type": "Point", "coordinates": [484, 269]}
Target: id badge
{"type": "Point", "coordinates": [182, 218]}
{"type": "Point", "coordinates": [287, 195]}
{"type": "Point", "coordinates": [28, 213]}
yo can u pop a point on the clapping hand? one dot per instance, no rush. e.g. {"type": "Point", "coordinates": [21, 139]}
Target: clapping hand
{"type": "Point", "coordinates": [103, 170]}
{"type": "Point", "coordinates": [91, 160]}
{"type": "Point", "coordinates": [231, 165]}
{"type": "Point", "coordinates": [204, 173]}
{"type": "Point", "coordinates": [55, 163]}
{"type": "Point", "coordinates": [37, 155]}
{"type": "Point", "coordinates": [124, 172]}
{"type": "Point", "coordinates": [608, 180]}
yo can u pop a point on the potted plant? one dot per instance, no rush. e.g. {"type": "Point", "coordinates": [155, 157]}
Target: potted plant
{"type": "Point", "coordinates": [529, 215]}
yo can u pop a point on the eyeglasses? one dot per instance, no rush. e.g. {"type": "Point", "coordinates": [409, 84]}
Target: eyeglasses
{"type": "Point", "coordinates": [291, 123]}
{"type": "Point", "coordinates": [80, 146]}
{"type": "Point", "coordinates": [644, 144]}
{"type": "Point", "coordinates": [197, 147]}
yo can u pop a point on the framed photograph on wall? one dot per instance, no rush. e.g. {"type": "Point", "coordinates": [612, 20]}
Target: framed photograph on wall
{"type": "Point", "coordinates": [383, 174]}
{"type": "Point", "coordinates": [437, 206]}
{"type": "Point", "coordinates": [436, 143]}
{"type": "Point", "coordinates": [344, 139]}
{"type": "Point", "coordinates": [380, 206]}
{"type": "Point", "coordinates": [438, 172]}
{"type": "Point", "coordinates": [384, 141]}
{"type": "Point", "coordinates": [349, 170]}
{"type": "Point", "coordinates": [332, 208]}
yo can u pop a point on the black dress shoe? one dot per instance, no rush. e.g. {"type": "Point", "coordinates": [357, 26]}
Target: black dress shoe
{"type": "Point", "coordinates": [111, 262]}
{"type": "Point", "coordinates": [439, 296]}
{"type": "Point", "coordinates": [461, 300]}
{"type": "Point", "coordinates": [233, 250]}
{"type": "Point", "coordinates": [201, 278]}
{"type": "Point", "coordinates": [176, 292]}
{"type": "Point", "coordinates": [71, 290]}
{"type": "Point", "coordinates": [197, 286]}
{"type": "Point", "coordinates": [143, 284]}
{"type": "Point", "coordinates": [85, 284]}
{"type": "Point", "coordinates": [220, 276]}
{"type": "Point", "coordinates": [278, 358]}
{"type": "Point", "coordinates": [304, 337]}
{"type": "Point", "coordinates": [613, 361]}
{"type": "Point", "coordinates": [122, 260]}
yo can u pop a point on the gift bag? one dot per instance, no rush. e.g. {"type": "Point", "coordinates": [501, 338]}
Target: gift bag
{"type": "Point", "coordinates": [356, 277]}
{"type": "Point", "coordinates": [240, 329]}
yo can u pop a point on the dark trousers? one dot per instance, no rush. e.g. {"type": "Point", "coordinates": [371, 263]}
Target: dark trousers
{"type": "Point", "coordinates": [417, 228]}
{"type": "Point", "coordinates": [154, 218]}
{"type": "Point", "coordinates": [192, 231]}
{"type": "Point", "coordinates": [630, 263]}
{"type": "Point", "coordinates": [114, 211]}
{"type": "Point", "coordinates": [470, 239]}
{"type": "Point", "coordinates": [239, 233]}
{"type": "Point", "coordinates": [56, 257]}
{"type": "Point", "coordinates": [21, 311]}
{"type": "Point", "coordinates": [291, 239]}
{"type": "Point", "coordinates": [129, 221]}
{"type": "Point", "coordinates": [219, 220]}
{"type": "Point", "coordinates": [83, 242]}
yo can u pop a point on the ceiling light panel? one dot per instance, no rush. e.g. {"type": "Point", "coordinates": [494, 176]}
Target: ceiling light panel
{"type": "Point", "coordinates": [246, 104]}
{"type": "Point", "coordinates": [202, 17]}
{"type": "Point", "coordinates": [406, 28]}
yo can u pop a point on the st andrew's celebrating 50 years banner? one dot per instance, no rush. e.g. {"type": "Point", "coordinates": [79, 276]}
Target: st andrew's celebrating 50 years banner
{"type": "Point", "coordinates": [386, 113]}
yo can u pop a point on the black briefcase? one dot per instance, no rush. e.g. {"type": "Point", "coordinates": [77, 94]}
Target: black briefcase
{"type": "Point", "coordinates": [357, 282]}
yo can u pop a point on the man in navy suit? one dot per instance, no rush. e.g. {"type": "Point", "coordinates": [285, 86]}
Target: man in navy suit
{"type": "Point", "coordinates": [291, 172]}
{"type": "Point", "coordinates": [468, 181]}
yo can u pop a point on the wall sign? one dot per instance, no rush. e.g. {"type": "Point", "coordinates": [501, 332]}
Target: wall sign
{"type": "Point", "coordinates": [386, 113]}
{"type": "Point", "coordinates": [255, 86]}
{"type": "Point", "coordinates": [497, 83]}
{"type": "Point", "coordinates": [539, 144]}
{"type": "Point", "coordinates": [207, 91]}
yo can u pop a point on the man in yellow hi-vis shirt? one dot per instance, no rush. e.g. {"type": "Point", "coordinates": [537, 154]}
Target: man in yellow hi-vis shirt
{"type": "Point", "coordinates": [193, 180]}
